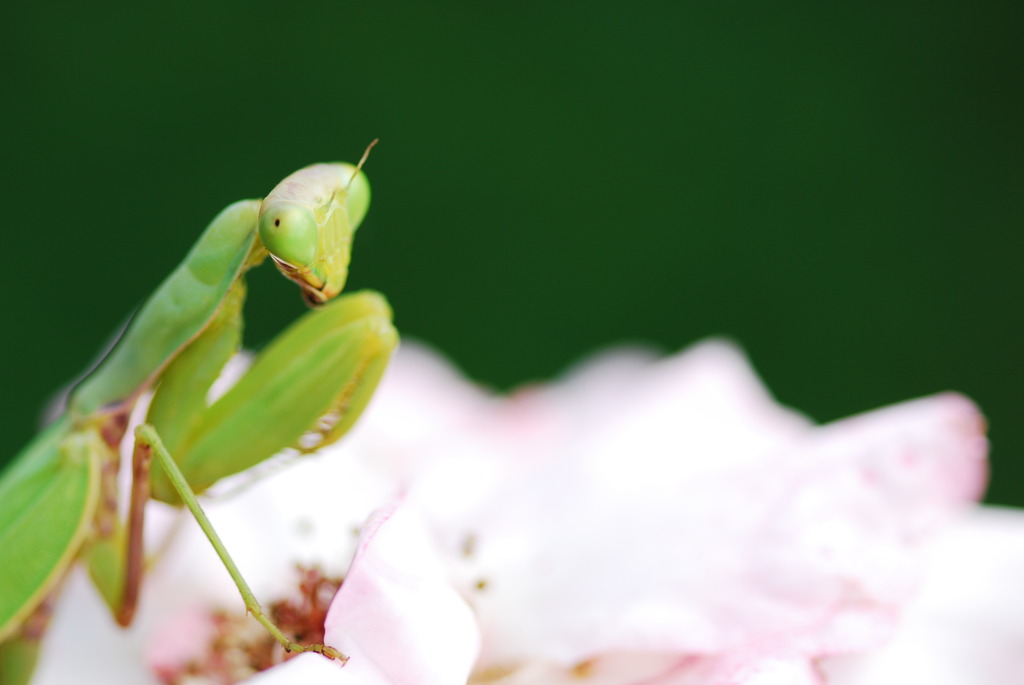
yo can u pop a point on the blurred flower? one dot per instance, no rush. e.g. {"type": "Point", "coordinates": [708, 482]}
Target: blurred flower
{"type": "Point", "coordinates": [641, 521]}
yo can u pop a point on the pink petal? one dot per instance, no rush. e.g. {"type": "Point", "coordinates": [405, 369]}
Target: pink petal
{"type": "Point", "coordinates": [183, 638]}
{"type": "Point", "coordinates": [396, 616]}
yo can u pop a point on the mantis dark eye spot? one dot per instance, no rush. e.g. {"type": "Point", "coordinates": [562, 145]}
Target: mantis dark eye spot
{"type": "Point", "coordinates": [277, 222]}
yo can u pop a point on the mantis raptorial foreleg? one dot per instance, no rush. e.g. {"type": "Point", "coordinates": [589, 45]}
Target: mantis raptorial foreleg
{"type": "Point", "coordinates": [310, 382]}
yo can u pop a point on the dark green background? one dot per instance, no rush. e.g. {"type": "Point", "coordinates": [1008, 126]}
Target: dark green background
{"type": "Point", "coordinates": [838, 187]}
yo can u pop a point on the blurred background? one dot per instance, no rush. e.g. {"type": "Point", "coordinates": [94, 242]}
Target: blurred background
{"type": "Point", "coordinates": [836, 187]}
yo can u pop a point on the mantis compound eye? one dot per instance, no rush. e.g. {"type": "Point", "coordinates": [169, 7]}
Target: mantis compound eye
{"type": "Point", "coordinates": [291, 235]}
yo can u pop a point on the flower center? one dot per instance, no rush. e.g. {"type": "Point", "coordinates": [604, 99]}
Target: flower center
{"type": "Point", "coordinates": [239, 647]}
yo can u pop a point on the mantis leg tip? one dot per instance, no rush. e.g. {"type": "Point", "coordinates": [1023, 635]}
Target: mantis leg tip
{"type": "Point", "coordinates": [329, 652]}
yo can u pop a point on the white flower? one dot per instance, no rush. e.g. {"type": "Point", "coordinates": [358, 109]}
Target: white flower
{"type": "Point", "coordinates": [641, 521]}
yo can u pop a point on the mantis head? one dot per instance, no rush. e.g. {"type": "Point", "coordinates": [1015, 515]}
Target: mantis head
{"type": "Point", "coordinates": [307, 223]}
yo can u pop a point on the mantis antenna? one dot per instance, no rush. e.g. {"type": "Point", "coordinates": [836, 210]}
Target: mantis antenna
{"type": "Point", "coordinates": [362, 161]}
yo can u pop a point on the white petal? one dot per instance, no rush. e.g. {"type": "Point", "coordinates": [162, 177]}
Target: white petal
{"type": "Point", "coordinates": [747, 667]}
{"type": "Point", "coordinates": [703, 409]}
{"type": "Point", "coordinates": [313, 669]}
{"type": "Point", "coordinates": [778, 530]}
{"type": "Point", "coordinates": [308, 513]}
{"type": "Point", "coordinates": [966, 625]}
{"type": "Point", "coordinates": [421, 403]}
{"type": "Point", "coordinates": [85, 646]}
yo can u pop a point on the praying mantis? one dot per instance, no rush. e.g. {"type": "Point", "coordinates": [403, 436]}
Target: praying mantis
{"type": "Point", "coordinates": [59, 499]}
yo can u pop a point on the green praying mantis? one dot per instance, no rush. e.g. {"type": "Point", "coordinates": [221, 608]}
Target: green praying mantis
{"type": "Point", "coordinates": [59, 499]}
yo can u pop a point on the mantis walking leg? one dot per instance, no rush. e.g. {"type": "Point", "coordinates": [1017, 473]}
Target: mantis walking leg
{"type": "Point", "coordinates": [150, 440]}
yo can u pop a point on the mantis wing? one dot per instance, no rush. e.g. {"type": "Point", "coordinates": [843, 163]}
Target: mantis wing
{"type": "Point", "coordinates": [47, 501]}
{"type": "Point", "coordinates": [175, 314]}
